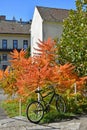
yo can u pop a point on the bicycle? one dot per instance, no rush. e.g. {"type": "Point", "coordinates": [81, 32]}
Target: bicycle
{"type": "Point", "coordinates": [36, 109]}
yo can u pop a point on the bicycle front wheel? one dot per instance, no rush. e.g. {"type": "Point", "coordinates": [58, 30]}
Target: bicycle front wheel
{"type": "Point", "coordinates": [35, 112]}
{"type": "Point", "coordinates": [60, 105]}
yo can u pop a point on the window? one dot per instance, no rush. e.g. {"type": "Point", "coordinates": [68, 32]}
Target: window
{"type": "Point", "coordinates": [4, 57]}
{"type": "Point", "coordinates": [4, 44]}
{"type": "Point", "coordinates": [0, 59]}
{"type": "Point", "coordinates": [25, 44]}
{"type": "Point", "coordinates": [15, 44]}
{"type": "Point", "coordinates": [4, 67]}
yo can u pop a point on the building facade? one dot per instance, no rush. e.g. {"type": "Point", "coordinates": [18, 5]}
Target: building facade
{"type": "Point", "coordinates": [13, 35]}
{"type": "Point", "coordinates": [46, 22]}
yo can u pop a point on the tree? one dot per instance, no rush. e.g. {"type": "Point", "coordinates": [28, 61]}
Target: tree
{"type": "Point", "coordinates": [27, 74]}
{"type": "Point", "coordinates": [85, 1]}
{"type": "Point", "coordinates": [27, 52]}
{"type": "Point", "coordinates": [73, 44]}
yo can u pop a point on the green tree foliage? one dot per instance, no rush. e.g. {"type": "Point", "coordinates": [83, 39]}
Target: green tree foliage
{"type": "Point", "coordinates": [73, 44]}
{"type": "Point", "coordinates": [85, 1]}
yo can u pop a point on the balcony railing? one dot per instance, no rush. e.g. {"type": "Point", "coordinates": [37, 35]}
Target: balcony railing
{"type": "Point", "coordinates": [8, 49]}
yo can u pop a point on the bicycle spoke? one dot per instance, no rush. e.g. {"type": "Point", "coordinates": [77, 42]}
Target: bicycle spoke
{"type": "Point", "coordinates": [60, 105]}
{"type": "Point", "coordinates": [35, 112]}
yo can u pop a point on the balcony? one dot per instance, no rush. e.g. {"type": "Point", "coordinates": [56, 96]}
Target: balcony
{"type": "Point", "coordinates": [8, 49]}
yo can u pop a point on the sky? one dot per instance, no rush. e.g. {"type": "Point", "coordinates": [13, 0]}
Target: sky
{"type": "Point", "coordinates": [24, 9]}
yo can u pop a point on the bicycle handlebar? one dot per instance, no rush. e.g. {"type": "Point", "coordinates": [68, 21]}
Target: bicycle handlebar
{"type": "Point", "coordinates": [50, 87]}
{"type": "Point", "coordinates": [38, 91]}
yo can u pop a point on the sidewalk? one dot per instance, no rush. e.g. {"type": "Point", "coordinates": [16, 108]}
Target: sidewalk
{"type": "Point", "coordinates": [3, 115]}
{"type": "Point", "coordinates": [21, 123]}
{"type": "Point", "coordinates": [2, 98]}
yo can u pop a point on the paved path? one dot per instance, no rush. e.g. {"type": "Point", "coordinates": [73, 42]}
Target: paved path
{"type": "Point", "coordinates": [24, 124]}
{"type": "Point", "coordinates": [21, 123]}
{"type": "Point", "coordinates": [3, 115]}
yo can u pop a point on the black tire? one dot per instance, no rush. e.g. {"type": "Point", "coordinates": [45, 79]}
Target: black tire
{"type": "Point", "coordinates": [35, 112]}
{"type": "Point", "coordinates": [60, 105]}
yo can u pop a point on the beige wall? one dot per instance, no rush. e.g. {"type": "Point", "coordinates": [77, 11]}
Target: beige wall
{"type": "Point", "coordinates": [4, 62]}
{"type": "Point", "coordinates": [52, 30]}
{"type": "Point", "coordinates": [10, 38]}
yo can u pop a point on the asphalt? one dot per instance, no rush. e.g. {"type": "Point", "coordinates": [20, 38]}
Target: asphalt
{"type": "Point", "coordinates": [3, 115]}
{"type": "Point", "coordinates": [22, 123]}
{"type": "Point", "coordinates": [3, 97]}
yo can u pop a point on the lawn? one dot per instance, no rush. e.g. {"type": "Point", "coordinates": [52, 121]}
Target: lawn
{"type": "Point", "coordinates": [14, 108]}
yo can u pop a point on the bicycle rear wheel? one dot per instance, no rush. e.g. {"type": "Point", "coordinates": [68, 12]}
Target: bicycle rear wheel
{"type": "Point", "coordinates": [60, 105]}
{"type": "Point", "coordinates": [35, 112]}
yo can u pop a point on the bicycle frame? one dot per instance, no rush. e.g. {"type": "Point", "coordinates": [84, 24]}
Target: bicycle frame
{"type": "Point", "coordinates": [47, 104]}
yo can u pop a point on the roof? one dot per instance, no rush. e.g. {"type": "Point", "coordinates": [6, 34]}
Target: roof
{"type": "Point", "coordinates": [14, 27]}
{"type": "Point", "coordinates": [53, 14]}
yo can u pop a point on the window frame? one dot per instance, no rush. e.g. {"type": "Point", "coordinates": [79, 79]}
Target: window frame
{"type": "Point", "coordinates": [4, 44]}
{"type": "Point", "coordinates": [4, 67]}
{"type": "Point", "coordinates": [25, 44]}
{"type": "Point", "coordinates": [4, 57]}
{"type": "Point", "coordinates": [15, 42]}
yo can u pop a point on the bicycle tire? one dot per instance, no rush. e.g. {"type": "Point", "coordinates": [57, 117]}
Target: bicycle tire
{"type": "Point", "coordinates": [60, 104]}
{"type": "Point", "coordinates": [35, 112]}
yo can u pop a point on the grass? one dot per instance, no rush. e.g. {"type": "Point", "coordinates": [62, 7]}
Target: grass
{"type": "Point", "coordinates": [56, 117]}
{"type": "Point", "coordinates": [12, 108]}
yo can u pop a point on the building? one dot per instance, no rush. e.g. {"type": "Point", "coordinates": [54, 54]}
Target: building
{"type": "Point", "coordinates": [46, 22]}
{"type": "Point", "coordinates": [13, 35]}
